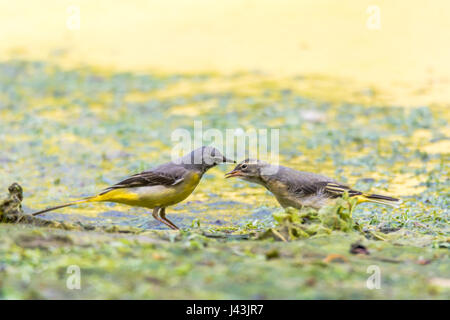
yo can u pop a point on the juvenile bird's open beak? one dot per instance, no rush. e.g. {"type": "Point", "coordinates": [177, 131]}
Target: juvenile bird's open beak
{"type": "Point", "coordinates": [233, 173]}
{"type": "Point", "coordinates": [226, 160]}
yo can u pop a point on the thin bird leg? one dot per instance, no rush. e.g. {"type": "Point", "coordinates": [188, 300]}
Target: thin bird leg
{"type": "Point", "coordinates": [162, 215]}
{"type": "Point", "coordinates": [155, 215]}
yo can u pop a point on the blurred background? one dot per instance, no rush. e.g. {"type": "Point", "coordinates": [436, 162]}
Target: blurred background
{"type": "Point", "coordinates": [406, 54]}
{"type": "Point", "coordinates": [91, 92]}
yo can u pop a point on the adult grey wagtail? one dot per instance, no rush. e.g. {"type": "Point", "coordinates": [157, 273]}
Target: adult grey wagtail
{"type": "Point", "coordinates": [160, 187]}
{"type": "Point", "coordinates": [299, 189]}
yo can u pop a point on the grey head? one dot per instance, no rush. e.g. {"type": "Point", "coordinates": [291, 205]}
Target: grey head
{"type": "Point", "coordinates": [202, 159]}
{"type": "Point", "coordinates": [252, 170]}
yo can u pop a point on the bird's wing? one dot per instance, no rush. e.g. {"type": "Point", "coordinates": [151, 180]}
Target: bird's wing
{"type": "Point", "coordinates": [329, 189]}
{"type": "Point", "coordinates": [306, 183]}
{"type": "Point", "coordinates": [308, 188]}
{"type": "Point", "coordinates": [337, 190]}
{"type": "Point", "coordinates": [170, 177]}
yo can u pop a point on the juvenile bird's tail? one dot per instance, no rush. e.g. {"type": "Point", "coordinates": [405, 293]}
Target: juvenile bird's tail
{"type": "Point", "coordinates": [377, 198]}
{"type": "Point", "coordinates": [88, 199]}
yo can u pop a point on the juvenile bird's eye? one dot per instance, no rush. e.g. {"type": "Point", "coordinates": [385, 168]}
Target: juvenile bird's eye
{"type": "Point", "coordinates": [244, 166]}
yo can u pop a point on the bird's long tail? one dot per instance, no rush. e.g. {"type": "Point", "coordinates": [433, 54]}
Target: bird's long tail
{"type": "Point", "coordinates": [88, 199]}
{"type": "Point", "coordinates": [377, 198]}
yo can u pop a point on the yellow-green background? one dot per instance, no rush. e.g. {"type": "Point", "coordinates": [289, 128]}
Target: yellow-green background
{"type": "Point", "coordinates": [81, 109]}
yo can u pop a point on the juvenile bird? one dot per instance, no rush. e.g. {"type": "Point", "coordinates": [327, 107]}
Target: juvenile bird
{"type": "Point", "coordinates": [160, 187]}
{"type": "Point", "coordinates": [299, 189]}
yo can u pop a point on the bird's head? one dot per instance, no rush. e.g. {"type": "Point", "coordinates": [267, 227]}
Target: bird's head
{"type": "Point", "coordinates": [249, 170]}
{"type": "Point", "coordinates": [204, 158]}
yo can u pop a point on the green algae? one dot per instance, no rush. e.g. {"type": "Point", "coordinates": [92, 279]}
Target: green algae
{"type": "Point", "coordinates": [11, 212]}
{"type": "Point", "coordinates": [147, 266]}
{"type": "Point", "coordinates": [11, 206]}
{"type": "Point", "coordinates": [11, 209]}
{"type": "Point", "coordinates": [70, 133]}
{"type": "Point", "coordinates": [307, 222]}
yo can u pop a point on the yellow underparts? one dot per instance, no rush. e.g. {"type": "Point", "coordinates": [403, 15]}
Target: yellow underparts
{"type": "Point", "coordinates": [153, 196]}
{"type": "Point", "coordinates": [361, 199]}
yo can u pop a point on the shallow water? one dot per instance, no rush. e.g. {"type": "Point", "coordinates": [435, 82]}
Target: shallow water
{"type": "Point", "coordinates": [66, 134]}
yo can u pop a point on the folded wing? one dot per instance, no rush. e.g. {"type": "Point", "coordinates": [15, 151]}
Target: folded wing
{"type": "Point", "coordinates": [170, 177]}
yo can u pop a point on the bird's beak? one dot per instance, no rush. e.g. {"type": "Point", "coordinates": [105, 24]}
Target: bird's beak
{"type": "Point", "coordinates": [233, 173]}
{"type": "Point", "coordinates": [226, 160]}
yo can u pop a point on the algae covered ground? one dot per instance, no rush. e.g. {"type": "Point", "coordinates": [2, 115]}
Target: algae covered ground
{"type": "Point", "coordinates": [68, 133]}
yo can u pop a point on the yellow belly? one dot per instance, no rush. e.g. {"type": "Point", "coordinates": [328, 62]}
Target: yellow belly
{"type": "Point", "coordinates": [152, 196]}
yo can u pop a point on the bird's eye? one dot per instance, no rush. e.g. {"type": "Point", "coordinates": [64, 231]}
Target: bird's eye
{"type": "Point", "coordinates": [244, 166]}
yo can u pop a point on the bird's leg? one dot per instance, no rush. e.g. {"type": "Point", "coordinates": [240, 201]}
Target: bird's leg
{"type": "Point", "coordinates": [156, 216]}
{"type": "Point", "coordinates": [162, 215]}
